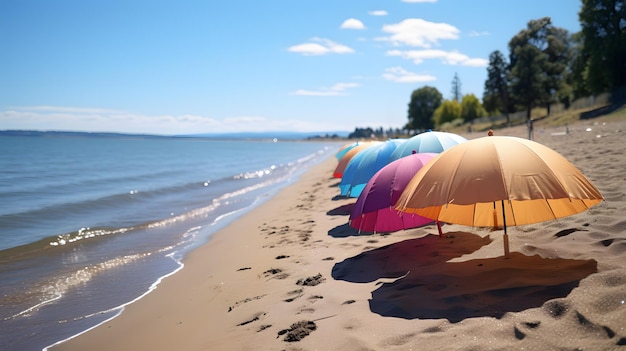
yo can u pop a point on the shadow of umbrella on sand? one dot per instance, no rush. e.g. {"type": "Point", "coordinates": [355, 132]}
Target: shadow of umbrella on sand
{"type": "Point", "coordinates": [498, 181]}
{"type": "Point", "coordinates": [482, 288]}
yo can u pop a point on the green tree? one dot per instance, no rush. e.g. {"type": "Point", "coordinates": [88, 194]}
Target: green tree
{"type": "Point", "coordinates": [424, 102]}
{"type": "Point", "coordinates": [456, 88]}
{"type": "Point", "coordinates": [538, 56]}
{"type": "Point", "coordinates": [496, 93]}
{"type": "Point", "coordinates": [448, 111]}
{"type": "Point", "coordinates": [559, 55]}
{"type": "Point", "coordinates": [603, 25]}
{"type": "Point", "coordinates": [471, 108]}
{"type": "Point", "coordinates": [527, 77]}
{"type": "Point", "coordinates": [576, 79]}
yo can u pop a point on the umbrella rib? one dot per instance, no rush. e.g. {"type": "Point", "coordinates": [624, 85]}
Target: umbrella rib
{"type": "Point", "coordinates": [551, 210]}
{"type": "Point", "coordinates": [553, 174]}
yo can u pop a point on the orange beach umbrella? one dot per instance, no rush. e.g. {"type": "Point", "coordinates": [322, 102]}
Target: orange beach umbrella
{"type": "Point", "coordinates": [498, 181]}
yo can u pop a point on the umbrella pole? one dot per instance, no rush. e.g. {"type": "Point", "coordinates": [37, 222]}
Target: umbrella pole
{"type": "Point", "coordinates": [439, 229]}
{"type": "Point", "coordinates": [506, 236]}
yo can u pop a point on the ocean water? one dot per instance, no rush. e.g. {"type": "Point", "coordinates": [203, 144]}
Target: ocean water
{"type": "Point", "coordinates": [89, 224]}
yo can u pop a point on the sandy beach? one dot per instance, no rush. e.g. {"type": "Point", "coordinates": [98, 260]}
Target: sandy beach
{"type": "Point", "coordinates": [293, 275]}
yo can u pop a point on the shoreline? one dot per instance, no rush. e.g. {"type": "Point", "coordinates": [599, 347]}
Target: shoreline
{"type": "Point", "coordinates": [294, 258]}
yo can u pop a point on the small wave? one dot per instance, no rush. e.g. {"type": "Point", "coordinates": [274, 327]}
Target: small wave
{"type": "Point", "coordinates": [119, 309]}
{"type": "Point", "coordinates": [56, 289]}
{"type": "Point", "coordinates": [85, 233]}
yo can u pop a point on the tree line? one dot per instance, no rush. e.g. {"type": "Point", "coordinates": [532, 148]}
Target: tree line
{"type": "Point", "coordinates": [545, 65]}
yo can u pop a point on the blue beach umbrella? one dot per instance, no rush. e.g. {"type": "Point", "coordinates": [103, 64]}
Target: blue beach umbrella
{"type": "Point", "coordinates": [430, 141]}
{"type": "Point", "coordinates": [364, 165]}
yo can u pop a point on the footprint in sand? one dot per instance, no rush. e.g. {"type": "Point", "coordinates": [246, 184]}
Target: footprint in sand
{"type": "Point", "coordinates": [275, 273]}
{"type": "Point", "coordinates": [294, 294]}
{"type": "Point", "coordinates": [263, 327]}
{"type": "Point", "coordinates": [298, 331]}
{"type": "Point", "coordinates": [311, 281]}
{"type": "Point", "coordinates": [240, 302]}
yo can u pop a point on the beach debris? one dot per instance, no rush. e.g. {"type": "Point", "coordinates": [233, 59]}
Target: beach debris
{"type": "Point", "coordinates": [254, 318]}
{"type": "Point", "coordinates": [297, 331]}
{"type": "Point", "coordinates": [244, 269]}
{"type": "Point", "coordinates": [280, 257]}
{"type": "Point", "coordinates": [311, 281]}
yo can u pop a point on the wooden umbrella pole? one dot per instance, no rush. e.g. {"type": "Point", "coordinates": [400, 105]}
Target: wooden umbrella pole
{"type": "Point", "coordinates": [506, 236]}
{"type": "Point", "coordinates": [439, 228]}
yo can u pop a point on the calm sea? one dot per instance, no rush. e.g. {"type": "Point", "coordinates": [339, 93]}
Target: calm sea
{"type": "Point", "coordinates": [89, 224]}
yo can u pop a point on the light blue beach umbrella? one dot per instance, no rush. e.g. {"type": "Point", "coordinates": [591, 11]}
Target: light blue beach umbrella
{"type": "Point", "coordinates": [364, 165]}
{"type": "Point", "coordinates": [430, 141]}
{"type": "Point", "coordinates": [344, 149]}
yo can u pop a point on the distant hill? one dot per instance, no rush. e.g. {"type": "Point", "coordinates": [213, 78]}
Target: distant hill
{"type": "Point", "coordinates": [242, 135]}
{"type": "Point", "coordinates": [76, 134]}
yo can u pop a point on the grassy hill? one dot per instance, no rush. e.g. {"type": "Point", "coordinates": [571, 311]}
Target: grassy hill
{"type": "Point", "coordinates": [606, 113]}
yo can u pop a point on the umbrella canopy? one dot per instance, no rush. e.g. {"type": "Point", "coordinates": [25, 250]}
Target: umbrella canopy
{"type": "Point", "coordinates": [345, 159]}
{"type": "Point", "coordinates": [498, 181]}
{"type": "Point", "coordinates": [342, 150]}
{"type": "Point", "coordinates": [374, 209]}
{"type": "Point", "coordinates": [428, 142]}
{"type": "Point", "coordinates": [364, 165]}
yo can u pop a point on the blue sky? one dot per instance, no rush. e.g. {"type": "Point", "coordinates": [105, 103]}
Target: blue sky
{"type": "Point", "coordinates": [179, 67]}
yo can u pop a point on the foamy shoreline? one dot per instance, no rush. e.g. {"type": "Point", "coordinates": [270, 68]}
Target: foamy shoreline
{"type": "Point", "coordinates": [294, 258]}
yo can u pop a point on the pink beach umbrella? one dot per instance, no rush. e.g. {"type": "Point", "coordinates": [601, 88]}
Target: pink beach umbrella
{"type": "Point", "coordinates": [375, 211]}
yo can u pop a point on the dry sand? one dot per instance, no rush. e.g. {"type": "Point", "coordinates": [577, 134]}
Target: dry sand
{"type": "Point", "coordinates": [294, 261]}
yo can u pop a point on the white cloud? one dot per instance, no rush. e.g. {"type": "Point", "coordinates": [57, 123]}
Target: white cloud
{"type": "Point", "coordinates": [59, 118]}
{"type": "Point", "coordinates": [478, 34]}
{"type": "Point", "coordinates": [476, 62]}
{"type": "Point", "coordinates": [400, 75]}
{"type": "Point", "coordinates": [338, 89]}
{"type": "Point", "coordinates": [320, 46]}
{"type": "Point", "coordinates": [62, 109]}
{"type": "Point", "coordinates": [418, 32]}
{"type": "Point", "coordinates": [352, 23]}
{"type": "Point", "coordinates": [448, 57]}
{"type": "Point", "coordinates": [378, 13]}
